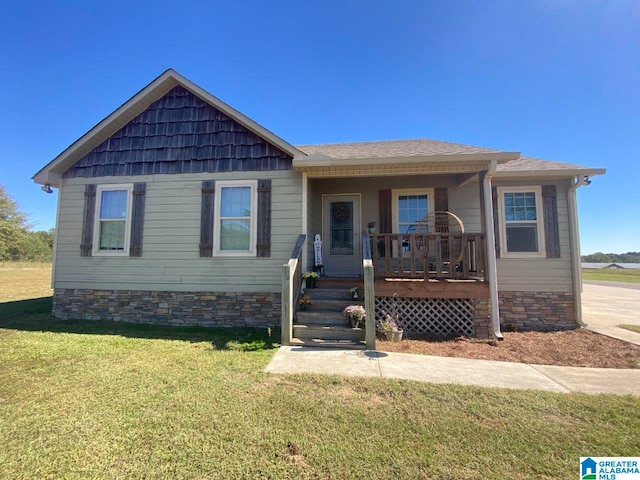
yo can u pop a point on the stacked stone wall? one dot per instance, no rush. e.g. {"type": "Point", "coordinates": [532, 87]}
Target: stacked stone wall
{"type": "Point", "coordinates": [170, 308]}
{"type": "Point", "coordinates": [544, 311]}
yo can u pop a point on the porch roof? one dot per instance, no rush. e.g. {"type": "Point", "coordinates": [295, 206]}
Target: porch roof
{"type": "Point", "coordinates": [396, 157]}
{"type": "Point", "coordinates": [393, 157]}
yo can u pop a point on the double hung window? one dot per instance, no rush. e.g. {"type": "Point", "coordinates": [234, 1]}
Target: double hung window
{"type": "Point", "coordinates": [235, 217]}
{"type": "Point", "coordinates": [521, 232]}
{"type": "Point", "coordinates": [112, 222]}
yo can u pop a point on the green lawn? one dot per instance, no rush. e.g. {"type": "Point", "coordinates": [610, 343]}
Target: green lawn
{"type": "Point", "coordinates": [611, 275]}
{"type": "Point", "coordinates": [105, 400]}
{"type": "Point", "coordinates": [633, 328]}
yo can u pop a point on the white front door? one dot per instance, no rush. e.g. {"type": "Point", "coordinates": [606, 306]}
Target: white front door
{"type": "Point", "coordinates": [342, 242]}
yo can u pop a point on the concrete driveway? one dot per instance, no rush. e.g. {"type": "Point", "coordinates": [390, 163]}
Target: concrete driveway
{"type": "Point", "coordinates": [605, 305]}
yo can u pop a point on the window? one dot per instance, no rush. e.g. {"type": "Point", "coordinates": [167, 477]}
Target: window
{"type": "Point", "coordinates": [409, 207]}
{"type": "Point", "coordinates": [235, 217]}
{"type": "Point", "coordinates": [112, 220]}
{"type": "Point", "coordinates": [521, 228]}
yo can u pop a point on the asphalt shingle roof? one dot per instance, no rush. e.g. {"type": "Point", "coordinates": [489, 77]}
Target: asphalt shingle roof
{"type": "Point", "coordinates": [529, 164]}
{"type": "Point", "coordinates": [426, 147]}
{"type": "Point", "coordinates": [392, 148]}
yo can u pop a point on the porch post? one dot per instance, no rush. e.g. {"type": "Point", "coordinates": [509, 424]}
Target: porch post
{"type": "Point", "coordinates": [305, 217]}
{"type": "Point", "coordinates": [490, 243]}
{"type": "Point", "coordinates": [369, 305]}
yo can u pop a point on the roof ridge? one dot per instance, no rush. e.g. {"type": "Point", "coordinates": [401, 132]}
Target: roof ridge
{"type": "Point", "coordinates": [394, 140]}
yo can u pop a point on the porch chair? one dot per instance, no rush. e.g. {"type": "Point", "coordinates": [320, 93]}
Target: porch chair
{"type": "Point", "coordinates": [442, 221]}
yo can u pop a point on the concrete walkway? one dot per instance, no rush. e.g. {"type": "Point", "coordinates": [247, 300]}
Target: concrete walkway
{"type": "Point", "coordinates": [606, 305]}
{"type": "Point", "coordinates": [604, 308]}
{"type": "Point", "coordinates": [462, 371]}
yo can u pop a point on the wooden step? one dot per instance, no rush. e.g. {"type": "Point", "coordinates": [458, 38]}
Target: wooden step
{"type": "Point", "coordinates": [339, 283]}
{"type": "Point", "coordinates": [329, 293]}
{"type": "Point", "coordinates": [311, 317]}
{"type": "Point", "coordinates": [330, 305]}
{"type": "Point", "coordinates": [328, 332]}
{"type": "Point", "coordinates": [317, 342]}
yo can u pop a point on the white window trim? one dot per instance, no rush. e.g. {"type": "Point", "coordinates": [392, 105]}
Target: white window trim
{"type": "Point", "coordinates": [127, 223]}
{"type": "Point", "coordinates": [395, 194]}
{"type": "Point", "coordinates": [253, 221]}
{"type": "Point", "coordinates": [504, 253]}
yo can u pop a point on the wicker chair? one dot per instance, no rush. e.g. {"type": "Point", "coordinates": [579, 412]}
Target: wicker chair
{"type": "Point", "coordinates": [442, 222]}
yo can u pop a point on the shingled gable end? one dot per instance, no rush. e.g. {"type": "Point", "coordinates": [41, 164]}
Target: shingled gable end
{"type": "Point", "coordinates": [208, 216]}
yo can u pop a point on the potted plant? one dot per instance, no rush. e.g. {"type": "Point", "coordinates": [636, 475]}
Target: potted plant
{"type": "Point", "coordinates": [355, 314]}
{"type": "Point", "coordinates": [390, 327]}
{"type": "Point", "coordinates": [372, 227]}
{"type": "Point", "coordinates": [304, 302]}
{"type": "Point", "coordinates": [310, 278]}
{"type": "Point", "coordinates": [390, 323]}
{"type": "Point", "coordinates": [355, 293]}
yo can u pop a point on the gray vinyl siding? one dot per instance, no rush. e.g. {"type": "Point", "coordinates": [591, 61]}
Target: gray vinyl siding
{"type": "Point", "coordinates": [170, 259]}
{"type": "Point", "coordinates": [529, 275]}
{"type": "Point", "coordinates": [540, 274]}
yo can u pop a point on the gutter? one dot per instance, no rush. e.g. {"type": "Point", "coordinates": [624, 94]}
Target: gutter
{"type": "Point", "coordinates": [576, 268]}
{"type": "Point", "coordinates": [490, 245]}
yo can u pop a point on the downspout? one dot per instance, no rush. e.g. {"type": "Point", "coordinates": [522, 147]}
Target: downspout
{"type": "Point", "coordinates": [490, 245]}
{"type": "Point", "coordinates": [576, 268]}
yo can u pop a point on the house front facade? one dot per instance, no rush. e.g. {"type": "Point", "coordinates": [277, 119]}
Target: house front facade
{"type": "Point", "coordinates": [178, 209]}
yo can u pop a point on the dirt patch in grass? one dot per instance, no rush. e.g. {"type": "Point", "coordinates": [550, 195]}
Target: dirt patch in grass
{"type": "Point", "coordinates": [574, 348]}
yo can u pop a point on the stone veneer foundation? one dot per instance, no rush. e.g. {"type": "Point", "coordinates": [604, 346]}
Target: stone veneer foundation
{"type": "Point", "coordinates": [205, 309]}
{"type": "Point", "coordinates": [543, 311]}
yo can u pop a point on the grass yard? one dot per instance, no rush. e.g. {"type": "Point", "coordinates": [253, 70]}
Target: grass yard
{"type": "Point", "coordinates": [107, 400]}
{"type": "Point", "coordinates": [633, 328]}
{"type": "Point", "coordinates": [611, 275]}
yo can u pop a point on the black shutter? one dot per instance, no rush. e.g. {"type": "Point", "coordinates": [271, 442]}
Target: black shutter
{"type": "Point", "coordinates": [496, 220]}
{"type": "Point", "coordinates": [441, 199]}
{"type": "Point", "coordinates": [263, 239]}
{"type": "Point", "coordinates": [137, 220]}
{"type": "Point", "coordinates": [550, 214]}
{"type": "Point", "coordinates": [206, 218]}
{"type": "Point", "coordinates": [86, 246]}
{"type": "Point", "coordinates": [384, 211]}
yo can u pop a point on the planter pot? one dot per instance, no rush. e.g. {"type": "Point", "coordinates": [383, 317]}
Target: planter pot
{"type": "Point", "coordinates": [394, 336]}
{"type": "Point", "coordinates": [372, 230]}
{"type": "Point", "coordinates": [303, 307]}
{"type": "Point", "coordinates": [311, 282]}
{"type": "Point", "coordinates": [354, 296]}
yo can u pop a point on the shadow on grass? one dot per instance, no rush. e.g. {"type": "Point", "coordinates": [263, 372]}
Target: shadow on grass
{"type": "Point", "coordinates": [34, 315]}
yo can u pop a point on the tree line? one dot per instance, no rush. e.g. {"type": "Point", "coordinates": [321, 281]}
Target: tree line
{"type": "Point", "coordinates": [18, 241]}
{"type": "Point", "coordinates": [599, 257]}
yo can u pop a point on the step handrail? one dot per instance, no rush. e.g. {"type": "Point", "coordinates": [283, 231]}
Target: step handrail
{"type": "Point", "coordinates": [291, 285]}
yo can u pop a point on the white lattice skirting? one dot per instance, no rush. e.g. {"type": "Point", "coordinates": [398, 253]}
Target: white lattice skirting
{"type": "Point", "coordinates": [439, 317]}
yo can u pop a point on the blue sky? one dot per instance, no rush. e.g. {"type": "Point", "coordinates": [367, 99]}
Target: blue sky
{"type": "Point", "coordinates": [554, 79]}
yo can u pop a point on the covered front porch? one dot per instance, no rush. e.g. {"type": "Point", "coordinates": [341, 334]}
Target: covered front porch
{"type": "Point", "coordinates": [381, 222]}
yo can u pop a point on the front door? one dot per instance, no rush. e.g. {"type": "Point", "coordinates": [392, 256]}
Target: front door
{"type": "Point", "coordinates": [341, 245]}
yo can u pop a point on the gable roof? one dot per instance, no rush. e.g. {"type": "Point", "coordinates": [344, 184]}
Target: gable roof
{"type": "Point", "coordinates": [379, 158]}
{"type": "Point", "coordinates": [52, 172]}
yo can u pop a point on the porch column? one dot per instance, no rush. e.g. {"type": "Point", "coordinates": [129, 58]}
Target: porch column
{"type": "Point", "coordinates": [490, 245]}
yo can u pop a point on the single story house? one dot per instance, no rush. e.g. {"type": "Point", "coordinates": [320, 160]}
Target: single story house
{"type": "Point", "coordinates": [178, 209]}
